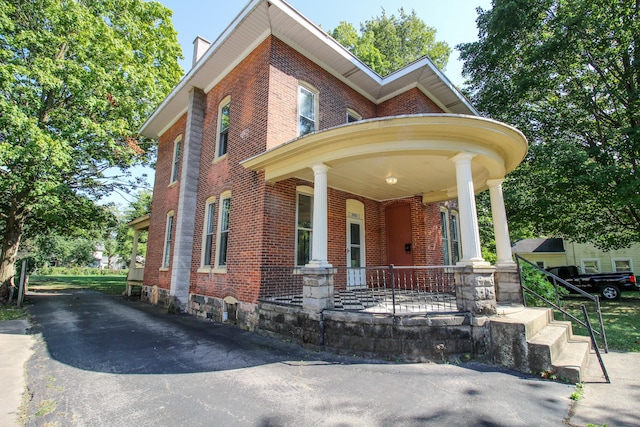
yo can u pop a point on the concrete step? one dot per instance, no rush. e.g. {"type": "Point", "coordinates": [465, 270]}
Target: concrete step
{"type": "Point", "coordinates": [531, 320]}
{"type": "Point", "coordinates": [572, 363]}
{"type": "Point", "coordinates": [547, 344]}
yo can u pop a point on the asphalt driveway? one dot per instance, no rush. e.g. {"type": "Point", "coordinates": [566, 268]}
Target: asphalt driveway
{"type": "Point", "coordinates": [108, 361]}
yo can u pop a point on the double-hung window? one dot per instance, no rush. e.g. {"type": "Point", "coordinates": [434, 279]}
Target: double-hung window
{"type": "Point", "coordinates": [166, 255]}
{"type": "Point", "coordinates": [307, 111]}
{"type": "Point", "coordinates": [304, 228]}
{"type": "Point", "coordinates": [444, 222]}
{"type": "Point", "coordinates": [208, 232]}
{"type": "Point", "coordinates": [175, 166]}
{"type": "Point", "coordinates": [223, 127]}
{"type": "Point", "coordinates": [223, 230]}
{"type": "Point", "coordinates": [622, 264]}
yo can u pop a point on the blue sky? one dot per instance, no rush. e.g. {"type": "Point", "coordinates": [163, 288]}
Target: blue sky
{"type": "Point", "coordinates": [454, 21]}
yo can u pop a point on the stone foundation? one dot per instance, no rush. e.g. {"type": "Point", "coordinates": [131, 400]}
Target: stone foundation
{"type": "Point", "coordinates": [408, 338]}
{"type": "Point", "coordinates": [231, 311]}
{"type": "Point", "coordinates": [155, 295]}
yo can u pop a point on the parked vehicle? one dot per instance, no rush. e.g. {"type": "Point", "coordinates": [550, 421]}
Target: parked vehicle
{"type": "Point", "coordinates": [609, 285]}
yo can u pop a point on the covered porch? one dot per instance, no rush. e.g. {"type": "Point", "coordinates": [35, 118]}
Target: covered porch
{"type": "Point", "coordinates": [135, 275]}
{"type": "Point", "coordinates": [436, 157]}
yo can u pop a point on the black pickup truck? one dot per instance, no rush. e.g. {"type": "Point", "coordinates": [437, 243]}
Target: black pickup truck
{"type": "Point", "coordinates": [609, 285]}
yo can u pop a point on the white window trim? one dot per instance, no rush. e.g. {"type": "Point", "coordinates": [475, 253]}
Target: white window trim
{"type": "Point", "coordinates": [355, 213]}
{"type": "Point", "coordinates": [306, 191]}
{"type": "Point", "coordinates": [169, 230]}
{"type": "Point", "coordinates": [207, 268]}
{"type": "Point", "coordinates": [223, 103]}
{"type": "Point", "coordinates": [613, 263]}
{"type": "Point", "coordinates": [316, 104]}
{"type": "Point", "coordinates": [175, 159]}
{"type": "Point", "coordinates": [217, 267]}
{"type": "Point", "coordinates": [583, 260]}
{"type": "Point", "coordinates": [353, 114]}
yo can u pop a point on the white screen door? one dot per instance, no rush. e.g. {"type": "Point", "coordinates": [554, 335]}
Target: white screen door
{"type": "Point", "coordinates": [355, 254]}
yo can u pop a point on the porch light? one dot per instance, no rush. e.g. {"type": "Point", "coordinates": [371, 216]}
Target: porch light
{"type": "Point", "coordinates": [391, 180]}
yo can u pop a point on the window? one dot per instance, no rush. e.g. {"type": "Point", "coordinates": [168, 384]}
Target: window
{"type": "Point", "coordinates": [208, 231]}
{"type": "Point", "coordinates": [455, 239]}
{"type": "Point", "coordinates": [176, 159]}
{"type": "Point", "coordinates": [306, 111]}
{"type": "Point", "coordinates": [304, 228]}
{"type": "Point", "coordinates": [444, 222]}
{"type": "Point", "coordinates": [223, 230]}
{"type": "Point", "coordinates": [166, 257]}
{"type": "Point", "coordinates": [352, 116]}
{"type": "Point", "coordinates": [621, 264]}
{"type": "Point", "coordinates": [223, 127]}
{"type": "Point", "coordinates": [590, 266]}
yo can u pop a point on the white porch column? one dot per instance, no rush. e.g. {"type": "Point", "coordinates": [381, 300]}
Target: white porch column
{"type": "Point", "coordinates": [469, 231]}
{"type": "Point", "coordinates": [500, 226]}
{"type": "Point", "coordinates": [319, 243]}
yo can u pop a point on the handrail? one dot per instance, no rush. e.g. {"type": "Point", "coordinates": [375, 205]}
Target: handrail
{"type": "Point", "coordinates": [587, 325]}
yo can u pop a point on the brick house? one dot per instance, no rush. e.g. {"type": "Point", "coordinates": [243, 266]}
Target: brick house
{"type": "Point", "coordinates": [279, 149]}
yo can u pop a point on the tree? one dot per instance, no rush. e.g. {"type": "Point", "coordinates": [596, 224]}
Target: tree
{"type": "Point", "coordinates": [388, 43]}
{"type": "Point", "coordinates": [77, 79]}
{"type": "Point", "coordinates": [567, 73]}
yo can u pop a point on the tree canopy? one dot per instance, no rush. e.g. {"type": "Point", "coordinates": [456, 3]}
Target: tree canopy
{"type": "Point", "coordinates": [567, 73]}
{"type": "Point", "coordinates": [77, 80]}
{"type": "Point", "coordinates": [388, 43]}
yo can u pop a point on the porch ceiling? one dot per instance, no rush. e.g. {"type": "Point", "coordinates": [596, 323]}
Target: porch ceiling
{"type": "Point", "coordinates": [415, 149]}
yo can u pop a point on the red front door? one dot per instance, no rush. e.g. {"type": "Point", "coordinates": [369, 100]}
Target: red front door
{"type": "Point", "coordinates": [399, 242]}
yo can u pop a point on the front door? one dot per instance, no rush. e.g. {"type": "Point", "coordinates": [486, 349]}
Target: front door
{"type": "Point", "coordinates": [399, 242]}
{"type": "Point", "coordinates": [355, 254]}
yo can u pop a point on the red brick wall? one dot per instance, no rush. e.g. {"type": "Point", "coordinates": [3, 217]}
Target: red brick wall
{"type": "Point", "coordinates": [412, 101]}
{"type": "Point", "coordinates": [248, 87]}
{"type": "Point", "coordinates": [263, 114]}
{"type": "Point", "coordinates": [165, 199]}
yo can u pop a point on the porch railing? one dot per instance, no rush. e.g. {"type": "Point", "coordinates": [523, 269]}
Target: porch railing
{"type": "Point", "coordinates": [383, 289]}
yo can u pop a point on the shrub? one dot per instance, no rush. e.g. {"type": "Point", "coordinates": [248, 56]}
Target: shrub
{"type": "Point", "coordinates": [537, 281]}
{"type": "Point", "coordinates": [78, 271]}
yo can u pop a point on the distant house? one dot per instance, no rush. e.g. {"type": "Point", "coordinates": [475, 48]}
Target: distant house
{"type": "Point", "coordinates": [552, 252]}
{"type": "Point", "coordinates": [102, 260]}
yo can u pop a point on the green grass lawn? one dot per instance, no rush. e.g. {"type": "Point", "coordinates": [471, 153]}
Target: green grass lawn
{"type": "Point", "coordinates": [110, 285]}
{"type": "Point", "coordinates": [621, 319]}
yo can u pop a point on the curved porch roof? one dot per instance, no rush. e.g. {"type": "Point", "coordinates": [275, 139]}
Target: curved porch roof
{"type": "Point", "coordinates": [415, 149]}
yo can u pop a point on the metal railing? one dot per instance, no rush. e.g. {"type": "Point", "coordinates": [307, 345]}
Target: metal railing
{"type": "Point", "coordinates": [282, 285]}
{"type": "Point", "coordinates": [382, 289]}
{"type": "Point", "coordinates": [557, 305]}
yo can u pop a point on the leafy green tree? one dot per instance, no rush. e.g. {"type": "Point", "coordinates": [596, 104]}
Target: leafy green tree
{"type": "Point", "coordinates": [567, 73]}
{"type": "Point", "coordinates": [63, 251]}
{"type": "Point", "coordinates": [77, 80]}
{"type": "Point", "coordinates": [388, 43]}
